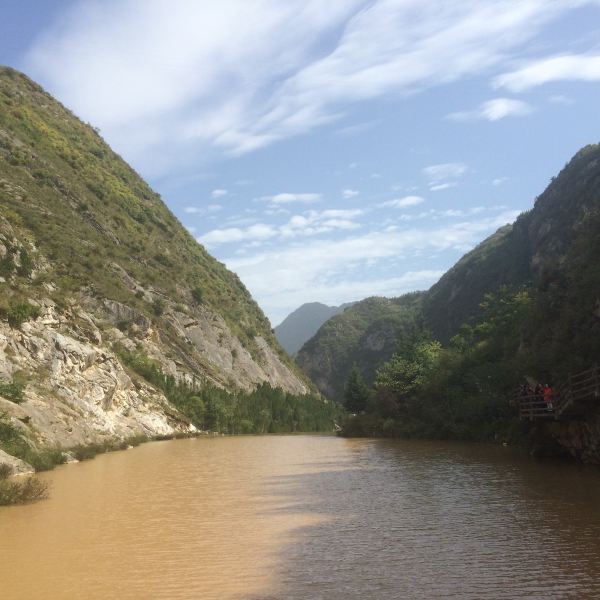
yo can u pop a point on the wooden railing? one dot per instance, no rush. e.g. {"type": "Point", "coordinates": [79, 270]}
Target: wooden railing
{"type": "Point", "coordinates": [533, 407]}
{"type": "Point", "coordinates": [571, 398]}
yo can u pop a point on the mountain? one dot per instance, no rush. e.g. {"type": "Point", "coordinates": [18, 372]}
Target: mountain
{"type": "Point", "coordinates": [551, 251]}
{"type": "Point", "coordinates": [107, 303]}
{"type": "Point", "coordinates": [365, 334]}
{"type": "Point", "coordinates": [300, 325]}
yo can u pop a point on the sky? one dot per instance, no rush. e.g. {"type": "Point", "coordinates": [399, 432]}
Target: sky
{"type": "Point", "coordinates": [326, 151]}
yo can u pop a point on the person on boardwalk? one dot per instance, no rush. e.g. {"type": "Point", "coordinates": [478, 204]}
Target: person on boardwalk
{"type": "Point", "coordinates": [548, 392]}
{"type": "Point", "coordinates": [539, 392]}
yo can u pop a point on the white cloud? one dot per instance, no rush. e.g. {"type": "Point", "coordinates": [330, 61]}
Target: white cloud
{"type": "Point", "coordinates": [444, 175]}
{"type": "Point", "coordinates": [348, 193]}
{"type": "Point", "coordinates": [445, 171]}
{"type": "Point", "coordinates": [310, 223]}
{"type": "Point", "coordinates": [402, 202]}
{"type": "Point", "coordinates": [343, 213]}
{"type": "Point", "coordinates": [438, 187]}
{"type": "Point", "coordinates": [288, 198]}
{"type": "Point", "coordinates": [219, 193]}
{"type": "Point", "coordinates": [259, 231]}
{"type": "Point", "coordinates": [566, 67]}
{"type": "Point", "coordinates": [330, 269]}
{"type": "Point", "coordinates": [498, 181]}
{"type": "Point", "coordinates": [494, 110]}
{"type": "Point", "coordinates": [202, 210]}
{"type": "Point", "coordinates": [240, 75]}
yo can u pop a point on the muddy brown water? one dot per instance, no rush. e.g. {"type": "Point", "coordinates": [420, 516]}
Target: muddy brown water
{"type": "Point", "coordinates": [307, 517]}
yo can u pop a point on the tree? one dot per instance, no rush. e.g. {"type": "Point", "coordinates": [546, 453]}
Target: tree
{"type": "Point", "coordinates": [404, 374]}
{"type": "Point", "coordinates": [356, 393]}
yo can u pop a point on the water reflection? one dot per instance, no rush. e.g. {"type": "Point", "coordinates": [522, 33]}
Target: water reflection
{"type": "Point", "coordinates": [291, 517]}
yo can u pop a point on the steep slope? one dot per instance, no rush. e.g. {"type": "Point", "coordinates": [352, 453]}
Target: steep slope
{"type": "Point", "coordinates": [94, 265]}
{"type": "Point", "coordinates": [299, 326]}
{"type": "Point", "coordinates": [502, 259]}
{"type": "Point", "coordinates": [552, 250]}
{"type": "Point", "coordinates": [365, 334]}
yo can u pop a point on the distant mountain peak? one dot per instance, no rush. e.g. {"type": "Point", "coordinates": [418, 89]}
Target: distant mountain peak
{"type": "Point", "coordinates": [300, 325]}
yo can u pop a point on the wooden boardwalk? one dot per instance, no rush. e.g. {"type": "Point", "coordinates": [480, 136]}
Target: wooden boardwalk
{"type": "Point", "coordinates": [570, 400]}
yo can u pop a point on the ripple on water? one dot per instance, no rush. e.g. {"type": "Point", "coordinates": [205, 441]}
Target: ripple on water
{"type": "Point", "coordinates": [302, 517]}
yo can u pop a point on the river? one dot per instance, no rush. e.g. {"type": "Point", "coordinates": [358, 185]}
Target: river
{"type": "Point", "coordinates": [306, 517]}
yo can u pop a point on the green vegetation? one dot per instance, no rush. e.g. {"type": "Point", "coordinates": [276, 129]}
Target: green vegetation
{"type": "Point", "coordinates": [263, 410]}
{"type": "Point", "coordinates": [364, 335]}
{"type": "Point", "coordinates": [16, 313]}
{"type": "Point", "coordinates": [20, 491]}
{"type": "Point", "coordinates": [524, 303]}
{"type": "Point", "coordinates": [14, 443]}
{"type": "Point", "coordinates": [356, 393]}
{"type": "Point", "coordinates": [459, 391]}
{"type": "Point", "coordinates": [12, 391]}
{"type": "Point", "coordinates": [68, 197]}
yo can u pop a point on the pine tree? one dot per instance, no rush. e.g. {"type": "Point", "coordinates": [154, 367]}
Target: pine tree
{"type": "Point", "coordinates": [356, 393]}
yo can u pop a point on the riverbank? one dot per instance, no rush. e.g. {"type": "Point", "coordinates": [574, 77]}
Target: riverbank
{"type": "Point", "coordinates": [577, 441]}
{"type": "Point", "coordinates": [18, 484]}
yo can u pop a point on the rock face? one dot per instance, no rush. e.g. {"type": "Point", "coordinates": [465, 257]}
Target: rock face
{"type": "Point", "coordinates": [78, 392]}
{"type": "Point", "coordinates": [18, 466]}
{"type": "Point", "coordinates": [578, 439]}
{"type": "Point", "coordinates": [93, 265]}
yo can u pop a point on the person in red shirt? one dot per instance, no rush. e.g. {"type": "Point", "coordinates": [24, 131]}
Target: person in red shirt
{"type": "Point", "coordinates": [548, 397]}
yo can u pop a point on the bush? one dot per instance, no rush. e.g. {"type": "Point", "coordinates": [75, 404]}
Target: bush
{"type": "Point", "coordinates": [197, 295]}
{"type": "Point", "coordinates": [13, 491]}
{"type": "Point", "coordinates": [26, 267]}
{"type": "Point", "coordinates": [158, 306]}
{"type": "Point", "coordinates": [18, 312]}
{"type": "Point", "coordinates": [12, 391]}
{"type": "Point", "coordinates": [5, 471]}
{"type": "Point", "coordinates": [44, 460]}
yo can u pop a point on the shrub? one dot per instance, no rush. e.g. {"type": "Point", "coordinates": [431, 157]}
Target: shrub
{"type": "Point", "coordinates": [21, 491]}
{"type": "Point", "coordinates": [123, 325]}
{"type": "Point", "coordinates": [44, 460]}
{"type": "Point", "coordinates": [197, 295]}
{"type": "Point", "coordinates": [12, 391]}
{"type": "Point", "coordinates": [158, 306]}
{"type": "Point", "coordinates": [18, 312]}
{"type": "Point", "coordinates": [26, 267]}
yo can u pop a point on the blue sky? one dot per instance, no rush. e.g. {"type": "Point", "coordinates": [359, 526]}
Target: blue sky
{"type": "Point", "coordinates": [327, 151]}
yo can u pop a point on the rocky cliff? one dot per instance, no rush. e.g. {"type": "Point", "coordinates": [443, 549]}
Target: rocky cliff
{"type": "Point", "coordinates": [92, 263]}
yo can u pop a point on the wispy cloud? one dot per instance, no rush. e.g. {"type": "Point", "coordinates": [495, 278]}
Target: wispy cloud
{"type": "Point", "coordinates": [219, 193]}
{"type": "Point", "coordinates": [494, 110]}
{"type": "Point", "coordinates": [327, 269]}
{"type": "Point", "coordinates": [289, 198]}
{"type": "Point", "coordinates": [402, 202]}
{"type": "Point", "coordinates": [201, 210]}
{"type": "Point", "coordinates": [309, 223]}
{"type": "Point", "coordinates": [566, 67]}
{"type": "Point", "coordinates": [438, 187]}
{"type": "Point", "coordinates": [357, 129]}
{"type": "Point", "coordinates": [444, 175]}
{"type": "Point", "coordinates": [348, 193]}
{"type": "Point", "coordinates": [241, 75]}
